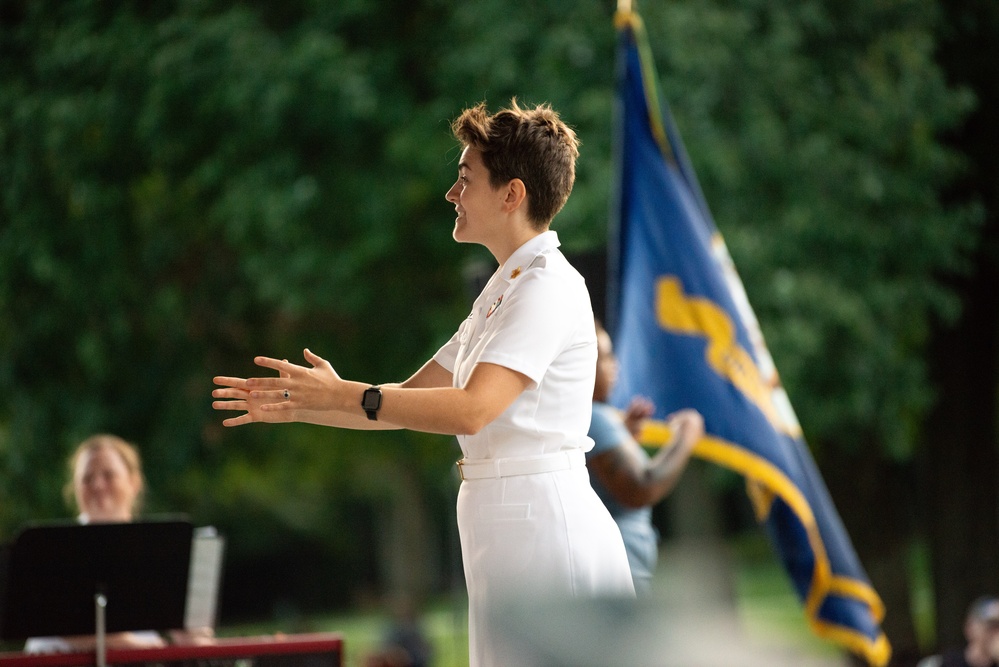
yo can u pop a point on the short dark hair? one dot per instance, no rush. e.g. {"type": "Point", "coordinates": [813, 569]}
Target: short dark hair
{"type": "Point", "coordinates": [533, 145]}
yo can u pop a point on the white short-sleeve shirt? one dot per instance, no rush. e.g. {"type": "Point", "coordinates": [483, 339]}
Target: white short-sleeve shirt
{"type": "Point", "coordinates": [534, 317]}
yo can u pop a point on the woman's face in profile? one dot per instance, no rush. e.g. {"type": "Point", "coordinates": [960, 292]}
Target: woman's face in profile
{"type": "Point", "coordinates": [105, 488]}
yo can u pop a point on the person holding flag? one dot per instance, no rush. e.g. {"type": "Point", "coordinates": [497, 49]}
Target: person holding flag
{"type": "Point", "coordinates": [627, 479]}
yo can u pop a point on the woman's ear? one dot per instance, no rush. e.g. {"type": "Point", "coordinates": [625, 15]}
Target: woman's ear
{"type": "Point", "coordinates": [516, 193]}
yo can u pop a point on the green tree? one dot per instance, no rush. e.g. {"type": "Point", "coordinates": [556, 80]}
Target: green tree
{"type": "Point", "coordinates": [187, 186]}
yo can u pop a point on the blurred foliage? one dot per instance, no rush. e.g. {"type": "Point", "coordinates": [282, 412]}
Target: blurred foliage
{"type": "Point", "coordinates": [813, 128]}
{"type": "Point", "coordinates": [187, 184]}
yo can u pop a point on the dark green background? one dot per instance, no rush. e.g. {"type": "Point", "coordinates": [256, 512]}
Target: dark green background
{"type": "Point", "coordinates": [185, 184]}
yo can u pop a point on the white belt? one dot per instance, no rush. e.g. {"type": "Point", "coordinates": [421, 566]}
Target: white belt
{"type": "Point", "coordinates": [521, 465]}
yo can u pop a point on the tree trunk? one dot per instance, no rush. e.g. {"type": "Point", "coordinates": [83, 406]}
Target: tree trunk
{"type": "Point", "coordinates": [409, 551]}
{"type": "Point", "coordinates": [962, 460]}
{"type": "Point", "coordinates": [961, 463]}
{"type": "Point", "coordinates": [698, 536]}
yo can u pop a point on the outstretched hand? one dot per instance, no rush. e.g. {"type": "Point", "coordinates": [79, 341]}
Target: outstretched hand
{"type": "Point", "coordinates": [278, 399]}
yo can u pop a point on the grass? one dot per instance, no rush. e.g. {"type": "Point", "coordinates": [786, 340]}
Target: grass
{"type": "Point", "coordinates": [767, 605]}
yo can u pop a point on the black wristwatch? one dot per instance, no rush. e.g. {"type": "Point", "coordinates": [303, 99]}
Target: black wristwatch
{"type": "Point", "coordinates": [371, 401]}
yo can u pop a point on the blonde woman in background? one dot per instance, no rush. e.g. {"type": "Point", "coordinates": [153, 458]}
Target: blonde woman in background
{"type": "Point", "coordinates": [106, 485]}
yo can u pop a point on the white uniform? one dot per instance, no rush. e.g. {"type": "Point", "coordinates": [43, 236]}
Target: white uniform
{"type": "Point", "coordinates": [544, 533]}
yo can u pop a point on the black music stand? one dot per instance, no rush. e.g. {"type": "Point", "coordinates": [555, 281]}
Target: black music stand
{"type": "Point", "coordinates": [70, 579]}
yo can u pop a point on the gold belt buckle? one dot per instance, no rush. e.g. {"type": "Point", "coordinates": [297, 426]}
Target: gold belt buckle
{"type": "Point", "coordinates": [461, 471]}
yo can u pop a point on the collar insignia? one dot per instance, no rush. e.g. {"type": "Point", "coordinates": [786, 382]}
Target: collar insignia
{"type": "Point", "coordinates": [515, 273]}
{"type": "Point", "coordinates": [496, 304]}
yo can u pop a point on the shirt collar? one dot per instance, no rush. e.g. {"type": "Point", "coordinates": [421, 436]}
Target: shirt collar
{"type": "Point", "coordinates": [525, 254]}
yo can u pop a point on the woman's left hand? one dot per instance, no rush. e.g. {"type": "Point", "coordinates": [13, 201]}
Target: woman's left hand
{"type": "Point", "coordinates": [687, 426]}
{"type": "Point", "coordinates": [279, 399]}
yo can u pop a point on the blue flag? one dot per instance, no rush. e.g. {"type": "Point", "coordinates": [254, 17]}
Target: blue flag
{"type": "Point", "coordinates": [686, 337]}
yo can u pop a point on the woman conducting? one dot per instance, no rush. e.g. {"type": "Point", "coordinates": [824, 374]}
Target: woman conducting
{"type": "Point", "coordinates": [514, 384]}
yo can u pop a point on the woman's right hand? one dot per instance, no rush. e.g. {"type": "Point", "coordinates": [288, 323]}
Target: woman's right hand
{"type": "Point", "coordinates": [279, 399]}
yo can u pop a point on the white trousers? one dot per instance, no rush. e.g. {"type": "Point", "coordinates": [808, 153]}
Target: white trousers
{"type": "Point", "coordinates": [534, 537]}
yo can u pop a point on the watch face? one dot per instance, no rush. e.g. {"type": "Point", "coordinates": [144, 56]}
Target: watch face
{"type": "Point", "coordinates": [372, 399]}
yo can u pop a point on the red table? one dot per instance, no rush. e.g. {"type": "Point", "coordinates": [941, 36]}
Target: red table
{"type": "Point", "coordinates": [323, 649]}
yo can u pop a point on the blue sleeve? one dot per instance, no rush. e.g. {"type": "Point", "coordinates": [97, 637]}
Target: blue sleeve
{"type": "Point", "coordinates": [606, 429]}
